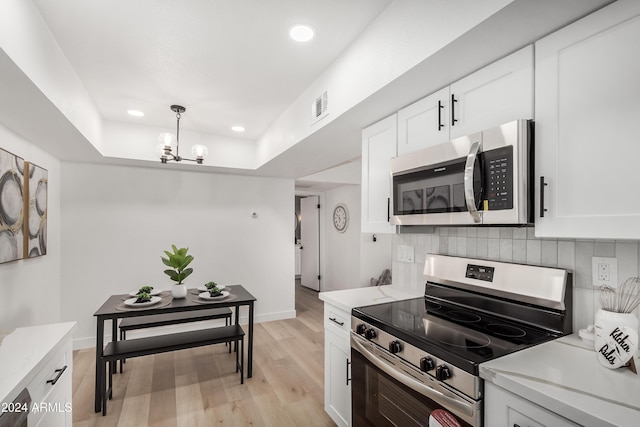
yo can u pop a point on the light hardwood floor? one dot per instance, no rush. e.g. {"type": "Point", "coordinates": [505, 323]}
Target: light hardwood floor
{"type": "Point", "coordinates": [199, 387]}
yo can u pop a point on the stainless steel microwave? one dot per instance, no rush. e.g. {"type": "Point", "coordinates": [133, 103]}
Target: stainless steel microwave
{"type": "Point", "coordinates": [484, 179]}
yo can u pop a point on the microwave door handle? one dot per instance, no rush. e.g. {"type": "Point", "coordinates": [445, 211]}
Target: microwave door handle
{"type": "Point", "coordinates": [468, 182]}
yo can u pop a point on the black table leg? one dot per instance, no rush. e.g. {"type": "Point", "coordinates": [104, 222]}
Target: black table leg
{"type": "Point", "coordinates": [114, 337]}
{"type": "Point", "coordinates": [235, 344]}
{"type": "Point", "coordinates": [99, 371]}
{"type": "Point", "coordinates": [250, 343]}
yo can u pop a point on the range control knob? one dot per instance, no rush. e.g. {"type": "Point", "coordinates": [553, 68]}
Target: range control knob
{"type": "Point", "coordinates": [361, 328]}
{"type": "Point", "coordinates": [395, 347]}
{"type": "Point", "coordinates": [370, 334]}
{"type": "Point", "coordinates": [443, 372]}
{"type": "Point", "coordinates": [426, 364]}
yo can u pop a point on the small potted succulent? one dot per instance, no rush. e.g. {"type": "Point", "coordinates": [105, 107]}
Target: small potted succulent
{"type": "Point", "coordinates": [178, 261]}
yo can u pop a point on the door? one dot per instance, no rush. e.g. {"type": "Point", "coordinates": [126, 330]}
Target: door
{"type": "Point", "coordinates": [310, 238]}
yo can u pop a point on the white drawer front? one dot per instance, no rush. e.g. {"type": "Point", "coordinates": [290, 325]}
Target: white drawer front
{"type": "Point", "coordinates": [39, 388]}
{"type": "Point", "coordinates": [336, 320]}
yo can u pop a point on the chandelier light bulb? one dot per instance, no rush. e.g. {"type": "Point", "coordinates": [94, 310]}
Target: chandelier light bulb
{"type": "Point", "coordinates": [199, 151]}
{"type": "Point", "coordinates": [166, 139]}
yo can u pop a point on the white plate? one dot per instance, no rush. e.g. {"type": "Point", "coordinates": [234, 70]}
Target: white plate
{"type": "Point", "coordinates": [152, 293]}
{"type": "Point", "coordinates": [207, 296]}
{"type": "Point", "coordinates": [131, 302]}
{"type": "Point", "coordinates": [203, 288]}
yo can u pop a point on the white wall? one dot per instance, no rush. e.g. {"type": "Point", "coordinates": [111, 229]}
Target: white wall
{"type": "Point", "coordinates": [117, 220]}
{"type": "Point", "coordinates": [351, 258]}
{"type": "Point", "coordinates": [30, 289]}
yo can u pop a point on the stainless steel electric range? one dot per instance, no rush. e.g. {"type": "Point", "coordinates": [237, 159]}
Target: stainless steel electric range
{"type": "Point", "coordinates": [418, 359]}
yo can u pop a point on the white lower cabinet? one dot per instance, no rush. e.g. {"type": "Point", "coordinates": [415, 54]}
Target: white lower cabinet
{"type": "Point", "coordinates": [505, 409]}
{"type": "Point", "coordinates": [50, 390]}
{"type": "Point", "coordinates": [337, 365]}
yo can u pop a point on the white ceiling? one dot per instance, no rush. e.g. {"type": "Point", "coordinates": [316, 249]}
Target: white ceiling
{"type": "Point", "coordinates": [229, 62]}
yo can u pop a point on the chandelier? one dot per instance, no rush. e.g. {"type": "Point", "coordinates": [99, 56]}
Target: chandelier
{"type": "Point", "coordinates": [165, 148]}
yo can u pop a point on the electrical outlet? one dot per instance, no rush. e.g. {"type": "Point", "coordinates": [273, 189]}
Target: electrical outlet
{"type": "Point", "coordinates": [604, 271]}
{"type": "Point", "coordinates": [406, 253]}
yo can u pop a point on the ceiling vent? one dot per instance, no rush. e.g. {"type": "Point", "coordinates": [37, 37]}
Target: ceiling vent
{"type": "Point", "coordinates": [319, 107]}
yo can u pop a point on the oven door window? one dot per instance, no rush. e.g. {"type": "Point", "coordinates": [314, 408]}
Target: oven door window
{"type": "Point", "coordinates": [434, 189]}
{"type": "Point", "coordinates": [378, 400]}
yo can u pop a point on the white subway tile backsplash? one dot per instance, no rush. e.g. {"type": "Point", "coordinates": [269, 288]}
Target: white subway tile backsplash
{"type": "Point", "coordinates": [472, 247]}
{"type": "Point", "coordinates": [583, 308]}
{"type": "Point", "coordinates": [534, 251]}
{"type": "Point", "coordinates": [506, 250]}
{"type": "Point", "coordinates": [520, 233]}
{"type": "Point", "coordinates": [506, 233]}
{"type": "Point", "coordinates": [607, 249]}
{"type": "Point", "coordinates": [451, 245]}
{"type": "Point", "coordinates": [520, 251]}
{"type": "Point", "coordinates": [567, 255]}
{"type": "Point", "coordinates": [627, 255]}
{"type": "Point", "coordinates": [482, 248]}
{"type": "Point", "coordinates": [520, 245]}
{"type": "Point", "coordinates": [549, 253]}
{"type": "Point", "coordinates": [494, 249]}
{"type": "Point", "coordinates": [584, 253]}
{"type": "Point", "coordinates": [483, 232]}
{"type": "Point", "coordinates": [461, 246]}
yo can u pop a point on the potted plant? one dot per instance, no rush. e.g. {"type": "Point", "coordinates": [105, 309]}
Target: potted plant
{"type": "Point", "coordinates": [178, 261]}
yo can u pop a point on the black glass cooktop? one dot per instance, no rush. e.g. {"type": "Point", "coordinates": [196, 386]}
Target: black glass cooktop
{"type": "Point", "coordinates": [461, 336]}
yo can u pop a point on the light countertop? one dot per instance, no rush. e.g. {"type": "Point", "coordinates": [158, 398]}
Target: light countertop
{"type": "Point", "coordinates": [565, 377]}
{"type": "Point", "coordinates": [23, 353]}
{"type": "Point", "coordinates": [348, 298]}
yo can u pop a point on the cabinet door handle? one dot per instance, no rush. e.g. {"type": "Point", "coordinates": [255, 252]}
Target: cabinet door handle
{"type": "Point", "coordinates": [60, 372]}
{"type": "Point", "coordinates": [388, 209]}
{"type": "Point", "coordinates": [348, 363]}
{"type": "Point", "coordinates": [333, 319]}
{"type": "Point", "coordinates": [453, 110]}
{"type": "Point", "coordinates": [542, 208]}
{"type": "Point", "coordinates": [440, 108]}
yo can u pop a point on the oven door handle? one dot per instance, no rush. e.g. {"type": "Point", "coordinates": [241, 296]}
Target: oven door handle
{"type": "Point", "coordinates": [450, 402]}
{"type": "Point", "coordinates": [469, 195]}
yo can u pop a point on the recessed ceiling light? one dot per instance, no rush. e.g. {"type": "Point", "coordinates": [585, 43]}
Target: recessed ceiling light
{"type": "Point", "coordinates": [237, 128]}
{"type": "Point", "coordinates": [301, 33]}
{"type": "Point", "coordinates": [135, 113]}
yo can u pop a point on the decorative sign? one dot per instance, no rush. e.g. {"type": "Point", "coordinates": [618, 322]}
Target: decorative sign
{"type": "Point", "coordinates": [615, 344]}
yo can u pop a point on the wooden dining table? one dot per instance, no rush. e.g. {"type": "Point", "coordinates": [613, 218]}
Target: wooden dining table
{"type": "Point", "coordinates": [113, 310]}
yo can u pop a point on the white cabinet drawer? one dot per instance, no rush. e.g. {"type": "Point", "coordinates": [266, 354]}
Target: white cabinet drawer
{"type": "Point", "coordinates": [336, 320]}
{"type": "Point", "coordinates": [52, 400]}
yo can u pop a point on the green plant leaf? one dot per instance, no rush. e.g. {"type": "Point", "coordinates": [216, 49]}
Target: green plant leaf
{"type": "Point", "coordinates": [186, 273]}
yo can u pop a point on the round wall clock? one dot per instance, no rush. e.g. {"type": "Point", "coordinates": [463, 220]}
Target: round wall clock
{"type": "Point", "coordinates": [340, 218]}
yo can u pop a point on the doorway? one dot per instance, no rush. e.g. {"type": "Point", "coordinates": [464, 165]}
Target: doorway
{"type": "Point", "coordinates": [310, 242]}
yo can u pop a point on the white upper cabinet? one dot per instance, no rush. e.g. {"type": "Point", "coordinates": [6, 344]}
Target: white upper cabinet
{"type": "Point", "coordinates": [379, 142]}
{"type": "Point", "coordinates": [498, 93]}
{"type": "Point", "coordinates": [424, 123]}
{"type": "Point", "coordinates": [587, 113]}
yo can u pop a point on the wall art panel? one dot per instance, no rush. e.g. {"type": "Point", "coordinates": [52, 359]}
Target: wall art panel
{"type": "Point", "coordinates": [35, 229]}
{"type": "Point", "coordinates": [12, 185]}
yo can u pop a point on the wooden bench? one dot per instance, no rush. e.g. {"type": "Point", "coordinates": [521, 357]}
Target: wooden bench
{"type": "Point", "coordinates": [155, 320]}
{"type": "Point", "coordinates": [117, 350]}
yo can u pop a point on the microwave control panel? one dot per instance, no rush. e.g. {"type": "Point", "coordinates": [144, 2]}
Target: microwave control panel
{"type": "Point", "coordinates": [498, 182]}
